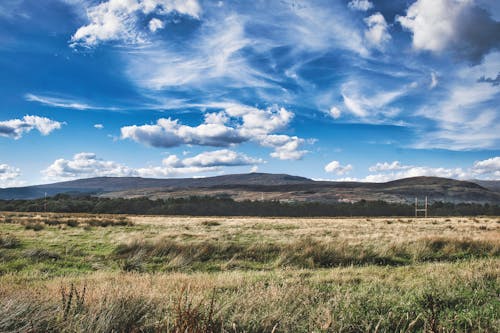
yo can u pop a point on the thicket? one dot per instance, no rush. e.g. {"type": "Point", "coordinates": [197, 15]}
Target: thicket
{"type": "Point", "coordinates": [214, 206]}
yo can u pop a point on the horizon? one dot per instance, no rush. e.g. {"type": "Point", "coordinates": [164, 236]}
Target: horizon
{"type": "Point", "coordinates": [252, 173]}
{"type": "Point", "coordinates": [367, 91]}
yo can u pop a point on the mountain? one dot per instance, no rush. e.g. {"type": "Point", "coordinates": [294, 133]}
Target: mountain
{"type": "Point", "coordinates": [493, 185]}
{"type": "Point", "coordinates": [263, 186]}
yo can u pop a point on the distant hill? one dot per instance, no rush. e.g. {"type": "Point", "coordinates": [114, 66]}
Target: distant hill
{"type": "Point", "coordinates": [493, 185]}
{"type": "Point", "coordinates": [264, 186]}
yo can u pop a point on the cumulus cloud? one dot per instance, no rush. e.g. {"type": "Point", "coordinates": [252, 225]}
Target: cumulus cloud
{"type": "Point", "coordinates": [285, 147]}
{"type": "Point", "coordinates": [387, 171]}
{"type": "Point", "coordinates": [407, 171]}
{"type": "Point", "coordinates": [120, 19]}
{"type": "Point", "coordinates": [458, 26]}
{"type": "Point", "coordinates": [99, 126]}
{"type": "Point", "coordinates": [489, 168]}
{"type": "Point", "coordinates": [362, 5]}
{"type": "Point", "coordinates": [335, 112]}
{"type": "Point", "coordinates": [377, 33]}
{"type": "Point", "coordinates": [170, 133]}
{"type": "Point", "coordinates": [336, 167]}
{"type": "Point", "coordinates": [234, 125]}
{"type": "Point", "coordinates": [155, 24]}
{"type": "Point", "coordinates": [223, 157]}
{"type": "Point", "coordinates": [9, 176]}
{"type": "Point", "coordinates": [15, 128]}
{"type": "Point", "coordinates": [85, 165]}
{"type": "Point", "coordinates": [386, 166]}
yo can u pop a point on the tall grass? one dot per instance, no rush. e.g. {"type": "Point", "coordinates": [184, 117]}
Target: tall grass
{"type": "Point", "coordinates": [303, 253]}
{"type": "Point", "coordinates": [291, 301]}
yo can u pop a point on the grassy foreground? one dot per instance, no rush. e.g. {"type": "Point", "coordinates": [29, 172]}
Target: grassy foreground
{"type": "Point", "coordinates": [81, 273]}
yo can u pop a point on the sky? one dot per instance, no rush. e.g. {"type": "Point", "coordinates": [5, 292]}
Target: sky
{"type": "Point", "coordinates": [340, 90]}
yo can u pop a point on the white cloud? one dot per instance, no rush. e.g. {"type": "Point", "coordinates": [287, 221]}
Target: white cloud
{"type": "Point", "coordinates": [369, 104]}
{"type": "Point", "coordinates": [335, 112]}
{"type": "Point", "coordinates": [460, 26]}
{"type": "Point", "coordinates": [489, 168]}
{"type": "Point", "coordinates": [377, 34]}
{"type": "Point", "coordinates": [66, 103]}
{"type": "Point", "coordinates": [318, 28]}
{"type": "Point", "coordinates": [85, 165]}
{"type": "Point", "coordinates": [285, 147]}
{"type": "Point", "coordinates": [385, 166]}
{"type": "Point", "coordinates": [15, 128]}
{"type": "Point", "coordinates": [223, 157]}
{"type": "Point", "coordinates": [9, 176]}
{"type": "Point", "coordinates": [417, 171]}
{"type": "Point", "coordinates": [155, 24]}
{"type": "Point", "coordinates": [99, 126]}
{"type": "Point", "coordinates": [120, 19]}
{"type": "Point", "coordinates": [362, 5]}
{"type": "Point", "coordinates": [434, 80]}
{"type": "Point", "coordinates": [170, 133]}
{"type": "Point", "coordinates": [213, 56]}
{"type": "Point", "coordinates": [336, 167]}
{"type": "Point", "coordinates": [465, 116]}
{"type": "Point", "coordinates": [235, 124]}
{"type": "Point", "coordinates": [485, 169]}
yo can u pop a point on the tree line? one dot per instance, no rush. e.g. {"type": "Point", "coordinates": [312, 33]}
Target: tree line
{"type": "Point", "coordinates": [216, 206]}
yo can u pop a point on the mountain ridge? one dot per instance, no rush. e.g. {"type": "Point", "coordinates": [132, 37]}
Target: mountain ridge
{"type": "Point", "coordinates": [251, 186]}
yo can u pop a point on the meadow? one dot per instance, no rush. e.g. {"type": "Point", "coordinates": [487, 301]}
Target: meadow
{"type": "Point", "coordinates": [123, 273]}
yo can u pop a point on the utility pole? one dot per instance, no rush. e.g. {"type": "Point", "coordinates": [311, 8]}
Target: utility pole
{"type": "Point", "coordinates": [45, 204]}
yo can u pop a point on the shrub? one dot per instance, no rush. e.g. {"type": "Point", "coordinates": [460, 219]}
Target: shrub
{"type": "Point", "coordinates": [34, 226]}
{"type": "Point", "coordinates": [9, 242]}
{"type": "Point", "coordinates": [72, 223]}
{"type": "Point", "coordinates": [210, 223]}
{"type": "Point", "coordinates": [41, 254]}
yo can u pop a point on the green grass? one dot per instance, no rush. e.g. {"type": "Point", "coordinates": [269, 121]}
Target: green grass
{"type": "Point", "coordinates": [216, 275]}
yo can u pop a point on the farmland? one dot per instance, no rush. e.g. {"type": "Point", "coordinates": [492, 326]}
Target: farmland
{"type": "Point", "coordinates": [103, 273]}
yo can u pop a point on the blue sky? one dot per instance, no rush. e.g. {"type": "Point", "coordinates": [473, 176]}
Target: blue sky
{"type": "Point", "coordinates": [357, 90]}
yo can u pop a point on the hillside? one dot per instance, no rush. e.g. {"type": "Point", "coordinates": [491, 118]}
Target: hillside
{"type": "Point", "coordinates": [262, 186]}
{"type": "Point", "coordinates": [493, 185]}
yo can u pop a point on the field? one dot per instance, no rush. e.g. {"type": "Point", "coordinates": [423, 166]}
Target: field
{"type": "Point", "coordinates": [110, 273]}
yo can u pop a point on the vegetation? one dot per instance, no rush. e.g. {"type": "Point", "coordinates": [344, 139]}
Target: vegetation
{"type": "Point", "coordinates": [220, 206]}
{"type": "Point", "coordinates": [202, 274]}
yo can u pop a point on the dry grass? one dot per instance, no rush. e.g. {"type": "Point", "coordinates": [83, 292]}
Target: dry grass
{"type": "Point", "coordinates": [349, 299]}
{"type": "Point", "coordinates": [181, 274]}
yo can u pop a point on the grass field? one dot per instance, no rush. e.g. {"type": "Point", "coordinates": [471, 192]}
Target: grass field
{"type": "Point", "coordinates": [81, 273]}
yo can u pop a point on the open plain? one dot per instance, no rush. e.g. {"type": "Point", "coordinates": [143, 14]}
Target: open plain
{"type": "Point", "coordinates": [117, 273]}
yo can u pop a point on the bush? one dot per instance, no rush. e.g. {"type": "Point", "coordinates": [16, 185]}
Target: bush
{"type": "Point", "coordinates": [41, 254]}
{"type": "Point", "coordinates": [34, 226]}
{"type": "Point", "coordinates": [9, 242]}
{"type": "Point", "coordinates": [72, 223]}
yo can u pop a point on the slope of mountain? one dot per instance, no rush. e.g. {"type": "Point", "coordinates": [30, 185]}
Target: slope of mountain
{"type": "Point", "coordinates": [493, 185]}
{"type": "Point", "coordinates": [258, 186]}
